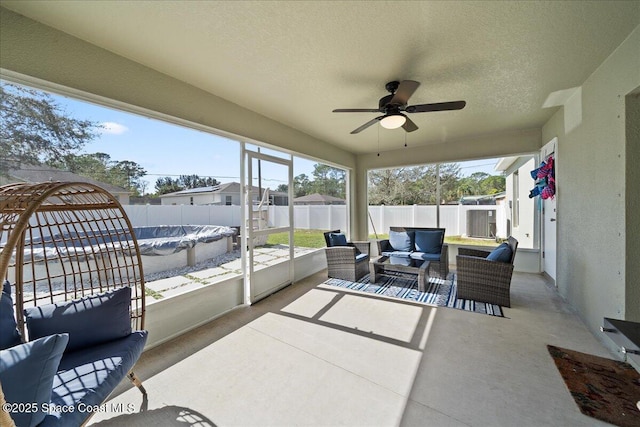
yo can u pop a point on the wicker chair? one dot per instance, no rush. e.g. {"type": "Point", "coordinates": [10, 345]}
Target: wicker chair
{"type": "Point", "coordinates": [349, 262]}
{"type": "Point", "coordinates": [483, 280]}
{"type": "Point", "coordinates": [64, 242]}
{"type": "Point", "coordinates": [441, 267]}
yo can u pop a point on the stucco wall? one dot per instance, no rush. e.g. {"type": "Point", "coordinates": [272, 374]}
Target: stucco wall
{"type": "Point", "coordinates": [632, 297]}
{"type": "Point", "coordinates": [591, 188]}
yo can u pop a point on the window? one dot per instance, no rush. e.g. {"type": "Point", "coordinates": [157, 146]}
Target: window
{"type": "Point", "coordinates": [191, 200]}
{"type": "Point", "coordinates": [477, 202]}
{"type": "Point", "coordinates": [228, 200]}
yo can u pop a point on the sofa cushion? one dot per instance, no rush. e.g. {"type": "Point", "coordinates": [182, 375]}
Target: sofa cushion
{"type": "Point", "coordinates": [27, 372]}
{"type": "Point", "coordinates": [86, 377]}
{"type": "Point", "coordinates": [501, 254]}
{"type": "Point", "coordinates": [429, 241]}
{"type": "Point", "coordinates": [425, 256]}
{"type": "Point", "coordinates": [89, 320]}
{"type": "Point", "coordinates": [9, 335]}
{"type": "Point", "coordinates": [362, 257]}
{"type": "Point", "coordinates": [338, 239]}
{"type": "Point", "coordinates": [401, 240]}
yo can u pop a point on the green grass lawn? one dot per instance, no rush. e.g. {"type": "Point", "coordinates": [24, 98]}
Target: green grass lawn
{"type": "Point", "coordinates": [315, 239]}
{"type": "Point", "coordinates": [302, 238]}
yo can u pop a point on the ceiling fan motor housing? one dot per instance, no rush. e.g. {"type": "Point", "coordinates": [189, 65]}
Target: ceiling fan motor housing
{"type": "Point", "coordinates": [384, 103]}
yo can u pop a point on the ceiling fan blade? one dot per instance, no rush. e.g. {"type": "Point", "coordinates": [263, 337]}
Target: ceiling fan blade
{"type": "Point", "coordinates": [366, 125]}
{"type": "Point", "coordinates": [404, 92]}
{"type": "Point", "coordinates": [437, 106]}
{"type": "Point", "coordinates": [356, 110]}
{"type": "Point", "coordinates": [409, 126]}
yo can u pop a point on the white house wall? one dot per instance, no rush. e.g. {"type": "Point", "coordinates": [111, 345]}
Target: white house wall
{"type": "Point", "coordinates": [524, 232]}
{"type": "Point", "coordinates": [591, 185]}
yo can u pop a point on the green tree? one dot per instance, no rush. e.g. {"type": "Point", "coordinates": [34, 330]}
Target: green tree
{"type": "Point", "coordinates": [418, 184]}
{"type": "Point", "coordinates": [128, 174]}
{"type": "Point", "coordinates": [329, 181]}
{"type": "Point", "coordinates": [35, 129]}
{"type": "Point", "coordinates": [493, 184]}
{"type": "Point", "coordinates": [196, 181]}
{"type": "Point", "coordinates": [301, 185]}
{"type": "Point", "coordinates": [384, 185]}
{"type": "Point", "coordinates": [99, 166]}
{"type": "Point", "coordinates": [165, 185]}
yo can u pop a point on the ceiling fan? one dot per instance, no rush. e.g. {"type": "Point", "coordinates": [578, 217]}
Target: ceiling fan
{"type": "Point", "coordinates": [393, 105]}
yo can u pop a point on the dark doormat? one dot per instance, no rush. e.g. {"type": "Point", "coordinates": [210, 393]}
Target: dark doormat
{"type": "Point", "coordinates": [605, 389]}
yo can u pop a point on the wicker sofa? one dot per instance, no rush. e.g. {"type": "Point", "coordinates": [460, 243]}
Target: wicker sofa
{"type": "Point", "coordinates": [346, 260]}
{"type": "Point", "coordinates": [439, 260]}
{"type": "Point", "coordinates": [481, 277]}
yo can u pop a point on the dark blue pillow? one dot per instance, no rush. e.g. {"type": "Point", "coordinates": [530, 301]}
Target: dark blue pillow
{"type": "Point", "coordinates": [401, 240]}
{"type": "Point", "coordinates": [9, 335]}
{"type": "Point", "coordinates": [429, 241]}
{"type": "Point", "coordinates": [501, 254]}
{"type": "Point", "coordinates": [27, 372]}
{"type": "Point", "coordinates": [337, 239]}
{"type": "Point", "coordinates": [89, 321]}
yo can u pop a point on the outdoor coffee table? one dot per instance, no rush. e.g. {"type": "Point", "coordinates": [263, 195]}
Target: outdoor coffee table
{"type": "Point", "coordinates": [386, 264]}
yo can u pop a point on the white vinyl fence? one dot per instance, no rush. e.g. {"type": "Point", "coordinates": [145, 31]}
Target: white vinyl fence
{"type": "Point", "coordinates": [455, 218]}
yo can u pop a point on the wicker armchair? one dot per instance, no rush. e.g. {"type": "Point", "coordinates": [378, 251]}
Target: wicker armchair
{"type": "Point", "coordinates": [483, 280]}
{"type": "Point", "coordinates": [441, 266]}
{"type": "Point", "coordinates": [349, 262]}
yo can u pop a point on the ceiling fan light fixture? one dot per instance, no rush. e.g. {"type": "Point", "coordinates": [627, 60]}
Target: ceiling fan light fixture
{"type": "Point", "coordinates": [393, 121]}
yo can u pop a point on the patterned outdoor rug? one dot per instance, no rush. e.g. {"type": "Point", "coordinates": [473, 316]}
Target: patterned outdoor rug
{"type": "Point", "coordinates": [605, 389]}
{"type": "Point", "coordinates": [439, 292]}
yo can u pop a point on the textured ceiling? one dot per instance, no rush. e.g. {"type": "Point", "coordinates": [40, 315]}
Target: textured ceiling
{"type": "Point", "coordinates": [294, 62]}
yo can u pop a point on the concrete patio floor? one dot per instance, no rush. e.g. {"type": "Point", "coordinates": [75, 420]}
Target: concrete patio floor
{"type": "Point", "coordinates": [312, 354]}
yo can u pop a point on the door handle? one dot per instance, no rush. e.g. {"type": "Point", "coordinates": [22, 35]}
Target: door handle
{"type": "Point", "coordinates": [552, 220]}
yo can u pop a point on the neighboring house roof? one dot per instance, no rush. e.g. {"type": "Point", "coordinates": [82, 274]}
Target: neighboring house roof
{"type": "Point", "coordinates": [43, 173]}
{"type": "Point", "coordinates": [318, 198]}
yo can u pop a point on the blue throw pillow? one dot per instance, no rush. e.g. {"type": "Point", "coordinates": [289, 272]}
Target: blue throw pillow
{"type": "Point", "coordinates": [338, 239]}
{"type": "Point", "coordinates": [429, 241]}
{"type": "Point", "coordinates": [27, 372]}
{"type": "Point", "coordinates": [501, 254]}
{"type": "Point", "coordinates": [9, 335]}
{"type": "Point", "coordinates": [401, 240]}
{"type": "Point", "coordinates": [89, 321]}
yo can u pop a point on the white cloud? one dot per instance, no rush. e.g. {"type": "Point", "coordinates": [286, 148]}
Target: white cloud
{"type": "Point", "coordinates": [114, 128]}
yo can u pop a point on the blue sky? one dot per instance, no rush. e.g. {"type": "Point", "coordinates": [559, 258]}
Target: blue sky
{"type": "Point", "coordinates": [164, 149]}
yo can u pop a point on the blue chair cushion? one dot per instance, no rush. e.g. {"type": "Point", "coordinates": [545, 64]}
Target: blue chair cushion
{"type": "Point", "coordinates": [87, 377]}
{"type": "Point", "coordinates": [429, 241]}
{"type": "Point", "coordinates": [338, 239]}
{"type": "Point", "coordinates": [362, 257]}
{"type": "Point", "coordinates": [401, 240]}
{"type": "Point", "coordinates": [500, 254]}
{"type": "Point", "coordinates": [89, 320]}
{"type": "Point", "coordinates": [425, 256]}
{"type": "Point", "coordinates": [27, 373]}
{"type": "Point", "coordinates": [9, 335]}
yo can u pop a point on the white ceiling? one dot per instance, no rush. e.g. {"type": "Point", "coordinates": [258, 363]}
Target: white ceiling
{"type": "Point", "coordinates": [295, 62]}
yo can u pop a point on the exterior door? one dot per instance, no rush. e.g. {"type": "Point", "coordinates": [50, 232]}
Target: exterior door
{"type": "Point", "coordinates": [267, 268]}
{"type": "Point", "coordinates": [549, 217]}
